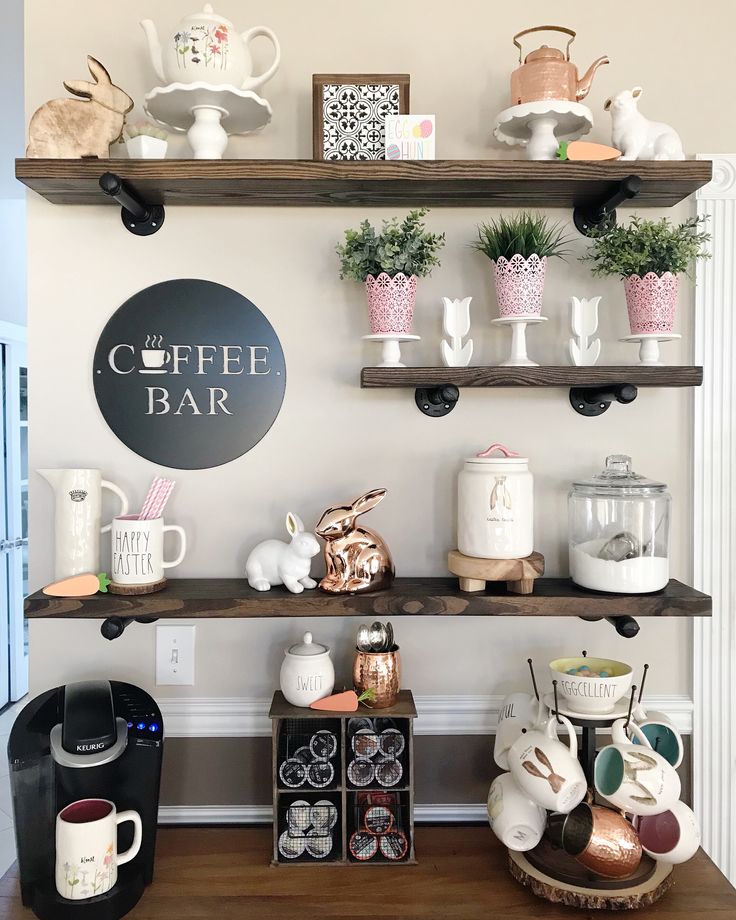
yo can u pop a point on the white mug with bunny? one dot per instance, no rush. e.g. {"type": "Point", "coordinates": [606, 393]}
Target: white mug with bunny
{"type": "Point", "coordinates": [72, 128]}
{"type": "Point", "coordinates": [274, 562]}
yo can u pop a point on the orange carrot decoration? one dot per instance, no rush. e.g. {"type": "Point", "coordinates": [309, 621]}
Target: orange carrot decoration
{"type": "Point", "coordinates": [343, 702]}
{"type": "Point", "coordinates": [78, 586]}
{"type": "Point", "coordinates": [586, 150]}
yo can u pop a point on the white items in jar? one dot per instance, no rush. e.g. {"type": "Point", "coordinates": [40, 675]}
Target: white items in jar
{"type": "Point", "coordinates": [496, 506]}
{"type": "Point", "coordinates": [619, 531]}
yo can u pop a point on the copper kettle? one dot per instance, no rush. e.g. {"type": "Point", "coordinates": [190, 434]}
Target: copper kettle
{"type": "Point", "coordinates": [548, 73]}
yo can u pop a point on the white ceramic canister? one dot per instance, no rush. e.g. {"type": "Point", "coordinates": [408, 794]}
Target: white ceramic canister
{"type": "Point", "coordinates": [496, 505]}
{"type": "Point", "coordinates": [307, 672]}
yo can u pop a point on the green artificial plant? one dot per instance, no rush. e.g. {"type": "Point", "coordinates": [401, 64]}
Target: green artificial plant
{"type": "Point", "coordinates": [525, 234]}
{"type": "Point", "coordinates": [404, 246]}
{"type": "Point", "coordinates": [648, 246]}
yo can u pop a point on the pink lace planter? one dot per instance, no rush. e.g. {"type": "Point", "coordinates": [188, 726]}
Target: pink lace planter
{"type": "Point", "coordinates": [651, 302]}
{"type": "Point", "coordinates": [391, 303]}
{"type": "Point", "coordinates": [520, 285]}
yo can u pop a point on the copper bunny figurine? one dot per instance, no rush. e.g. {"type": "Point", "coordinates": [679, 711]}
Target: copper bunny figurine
{"type": "Point", "coordinates": [357, 559]}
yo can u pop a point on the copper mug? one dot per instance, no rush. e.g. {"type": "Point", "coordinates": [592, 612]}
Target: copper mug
{"type": "Point", "coordinates": [380, 672]}
{"type": "Point", "coordinates": [600, 839]}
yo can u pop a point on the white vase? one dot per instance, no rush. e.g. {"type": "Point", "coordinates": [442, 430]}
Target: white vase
{"type": "Point", "coordinates": [78, 508]}
{"type": "Point", "coordinates": [144, 147]}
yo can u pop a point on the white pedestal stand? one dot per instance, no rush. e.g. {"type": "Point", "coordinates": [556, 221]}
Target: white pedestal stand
{"type": "Point", "coordinates": [649, 346]}
{"type": "Point", "coordinates": [391, 351]}
{"type": "Point", "coordinates": [209, 114]}
{"type": "Point", "coordinates": [540, 126]}
{"type": "Point", "coordinates": [518, 356]}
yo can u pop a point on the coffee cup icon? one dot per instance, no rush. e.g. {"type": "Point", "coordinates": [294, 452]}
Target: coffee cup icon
{"type": "Point", "coordinates": [154, 357]}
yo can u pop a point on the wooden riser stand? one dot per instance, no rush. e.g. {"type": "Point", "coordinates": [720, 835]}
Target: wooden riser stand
{"type": "Point", "coordinates": [519, 574]}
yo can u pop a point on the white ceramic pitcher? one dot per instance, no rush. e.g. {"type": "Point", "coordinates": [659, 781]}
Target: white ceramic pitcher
{"type": "Point", "coordinates": [78, 509]}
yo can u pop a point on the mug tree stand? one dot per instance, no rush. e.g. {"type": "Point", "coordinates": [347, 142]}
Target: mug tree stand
{"type": "Point", "coordinates": [551, 873]}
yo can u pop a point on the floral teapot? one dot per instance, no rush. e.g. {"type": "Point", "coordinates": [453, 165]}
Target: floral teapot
{"type": "Point", "coordinates": [207, 48]}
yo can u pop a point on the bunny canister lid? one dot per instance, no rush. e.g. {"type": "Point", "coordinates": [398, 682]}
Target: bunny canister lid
{"type": "Point", "coordinates": [498, 454]}
{"type": "Point", "coordinates": [618, 478]}
{"type": "Point", "coordinates": [307, 648]}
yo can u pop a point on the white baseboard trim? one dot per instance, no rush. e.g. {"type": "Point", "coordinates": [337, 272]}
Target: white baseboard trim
{"type": "Point", "coordinates": [247, 717]}
{"type": "Point", "coordinates": [263, 814]}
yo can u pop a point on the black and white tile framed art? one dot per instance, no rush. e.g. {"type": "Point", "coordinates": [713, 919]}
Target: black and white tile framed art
{"type": "Point", "coordinates": [349, 112]}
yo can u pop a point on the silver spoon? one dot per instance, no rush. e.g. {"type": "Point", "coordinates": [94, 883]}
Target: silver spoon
{"type": "Point", "coordinates": [389, 637]}
{"type": "Point", "coordinates": [364, 638]}
{"type": "Point", "coordinates": [378, 637]}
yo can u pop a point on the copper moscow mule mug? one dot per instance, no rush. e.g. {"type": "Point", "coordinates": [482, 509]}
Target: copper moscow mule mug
{"type": "Point", "coordinates": [380, 672]}
{"type": "Point", "coordinates": [600, 839]}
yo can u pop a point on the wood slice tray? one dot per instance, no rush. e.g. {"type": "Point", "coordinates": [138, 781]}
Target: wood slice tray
{"type": "Point", "coordinates": [519, 574]}
{"type": "Point", "coordinates": [552, 874]}
{"type": "Point", "coordinates": [137, 589]}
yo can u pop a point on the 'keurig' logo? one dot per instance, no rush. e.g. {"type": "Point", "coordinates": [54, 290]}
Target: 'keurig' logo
{"type": "Point", "coordinates": [86, 748]}
{"type": "Point", "coordinates": [189, 374]}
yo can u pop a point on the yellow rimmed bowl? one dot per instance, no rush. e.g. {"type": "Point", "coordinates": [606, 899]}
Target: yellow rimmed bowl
{"type": "Point", "coordinates": [591, 694]}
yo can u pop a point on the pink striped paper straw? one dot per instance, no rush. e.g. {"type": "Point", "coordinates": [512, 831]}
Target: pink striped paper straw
{"type": "Point", "coordinates": [161, 498]}
{"type": "Point", "coordinates": [155, 501]}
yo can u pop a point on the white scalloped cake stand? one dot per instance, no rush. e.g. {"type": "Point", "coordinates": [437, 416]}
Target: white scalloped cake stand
{"type": "Point", "coordinates": [649, 346]}
{"type": "Point", "coordinates": [518, 356]}
{"type": "Point", "coordinates": [391, 350]}
{"type": "Point", "coordinates": [209, 114]}
{"type": "Point", "coordinates": [540, 126]}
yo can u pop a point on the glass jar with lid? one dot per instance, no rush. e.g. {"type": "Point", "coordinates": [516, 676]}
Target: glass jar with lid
{"type": "Point", "coordinates": [619, 525]}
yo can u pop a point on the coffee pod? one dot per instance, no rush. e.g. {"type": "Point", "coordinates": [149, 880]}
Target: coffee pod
{"type": "Point", "coordinates": [389, 772]}
{"type": "Point", "coordinates": [291, 847]}
{"type": "Point", "coordinates": [323, 815]}
{"type": "Point", "coordinates": [318, 843]}
{"type": "Point", "coordinates": [363, 845]}
{"type": "Point", "coordinates": [599, 838]}
{"type": "Point", "coordinates": [357, 723]}
{"type": "Point", "coordinates": [671, 837]}
{"type": "Point", "coordinates": [391, 742]}
{"type": "Point", "coordinates": [302, 754]}
{"type": "Point", "coordinates": [394, 845]}
{"type": "Point", "coordinates": [292, 773]}
{"type": "Point", "coordinates": [323, 744]}
{"type": "Point", "coordinates": [361, 772]}
{"type": "Point", "coordinates": [298, 816]}
{"type": "Point", "coordinates": [365, 743]}
{"type": "Point", "coordinates": [320, 773]}
{"type": "Point", "coordinates": [378, 820]}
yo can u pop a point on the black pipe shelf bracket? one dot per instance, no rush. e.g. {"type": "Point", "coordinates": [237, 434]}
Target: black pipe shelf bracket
{"type": "Point", "coordinates": [627, 627]}
{"type": "Point", "coordinates": [593, 401]}
{"type": "Point", "coordinates": [138, 217]}
{"type": "Point", "coordinates": [437, 402]}
{"type": "Point", "coordinates": [114, 627]}
{"type": "Point", "coordinates": [592, 219]}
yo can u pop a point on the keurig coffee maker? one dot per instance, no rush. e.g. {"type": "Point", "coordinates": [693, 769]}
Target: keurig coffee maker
{"type": "Point", "coordinates": [93, 739]}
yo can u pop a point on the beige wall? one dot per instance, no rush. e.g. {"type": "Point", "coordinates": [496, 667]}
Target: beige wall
{"type": "Point", "coordinates": [333, 440]}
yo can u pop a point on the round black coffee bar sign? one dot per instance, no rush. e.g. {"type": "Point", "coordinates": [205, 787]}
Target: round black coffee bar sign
{"type": "Point", "coordinates": [189, 374]}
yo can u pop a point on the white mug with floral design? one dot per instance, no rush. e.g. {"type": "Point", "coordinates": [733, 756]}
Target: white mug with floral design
{"type": "Point", "coordinates": [87, 859]}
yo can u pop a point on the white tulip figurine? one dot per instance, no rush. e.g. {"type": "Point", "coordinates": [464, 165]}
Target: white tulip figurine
{"type": "Point", "coordinates": [456, 323]}
{"type": "Point", "coordinates": [274, 562]}
{"type": "Point", "coordinates": [584, 319]}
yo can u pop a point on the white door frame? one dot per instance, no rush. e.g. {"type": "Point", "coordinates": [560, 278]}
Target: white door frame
{"type": "Point", "coordinates": [14, 338]}
{"type": "Point", "coordinates": [714, 521]}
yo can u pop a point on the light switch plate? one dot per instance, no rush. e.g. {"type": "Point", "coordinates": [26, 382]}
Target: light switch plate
{"type": "Point", "coordinates": [175, 655]}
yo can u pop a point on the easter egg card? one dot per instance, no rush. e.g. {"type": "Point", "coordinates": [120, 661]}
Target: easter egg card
{"type": "Point", "coordinates": [410, 137]}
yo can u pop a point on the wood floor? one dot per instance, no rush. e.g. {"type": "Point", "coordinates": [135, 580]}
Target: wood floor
{"type": "Point", "coordinates": [224, 874]}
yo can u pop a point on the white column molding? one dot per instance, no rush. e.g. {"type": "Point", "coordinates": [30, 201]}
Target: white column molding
{"type": "Point", "coordinates": [714, 521]}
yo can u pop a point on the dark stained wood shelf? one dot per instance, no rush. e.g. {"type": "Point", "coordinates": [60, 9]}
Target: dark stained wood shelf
{"type": "Point", "coordinates": [452, 183]}
{"type": "Point", "coordinates": [232, 597]}
{"type": "Point", "coordinates": [551, 376]}
{"type": "Point", "coordinates": [462, 874]}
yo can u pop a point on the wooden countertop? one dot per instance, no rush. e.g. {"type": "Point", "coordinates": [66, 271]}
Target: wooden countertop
{"type": "Point", "coordinates": [224, 874]}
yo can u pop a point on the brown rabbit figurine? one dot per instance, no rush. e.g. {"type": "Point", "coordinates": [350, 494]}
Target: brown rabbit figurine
{"type": "Point", "coordinates": [70, 128]}
{"type": "Point", "coordinates": [357, 559]}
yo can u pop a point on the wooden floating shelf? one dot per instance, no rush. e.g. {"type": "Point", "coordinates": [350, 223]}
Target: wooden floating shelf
{"type": "Point", "coordinates": [552, 376]}
{"type": "Point", "coordinates": [204, 598]}
{"type": "Point", "coordinates": [436, 183]}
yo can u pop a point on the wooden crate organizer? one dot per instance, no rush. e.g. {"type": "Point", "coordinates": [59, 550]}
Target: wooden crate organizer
{"type": "Point", "coordinates": [292, 729]}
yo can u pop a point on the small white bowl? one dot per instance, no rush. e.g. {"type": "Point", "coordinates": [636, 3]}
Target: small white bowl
{"type": "Point", "coordinates": [591, 694]}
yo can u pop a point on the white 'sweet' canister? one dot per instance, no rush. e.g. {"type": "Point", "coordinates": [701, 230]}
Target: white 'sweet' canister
{"type": "Point", "coordinates": [307, 672]}
{"type": "Point", "coordinates": [496, 505]}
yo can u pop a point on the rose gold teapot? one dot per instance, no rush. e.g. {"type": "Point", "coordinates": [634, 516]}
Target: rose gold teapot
{"type": "Point", "coordinates": [548, 73]}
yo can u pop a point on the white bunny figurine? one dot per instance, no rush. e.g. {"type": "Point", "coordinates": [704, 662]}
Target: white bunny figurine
{"type": "Point", "coordinates": [274, 562]}
{"type": "Point", "coordinates": [635, 136]}
{"type": "Point", "coordinates": [71, 128]}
